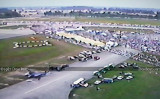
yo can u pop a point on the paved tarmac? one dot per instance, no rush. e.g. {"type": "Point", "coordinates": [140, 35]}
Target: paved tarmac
{"type": "Point", "coordinates": [8, 33]}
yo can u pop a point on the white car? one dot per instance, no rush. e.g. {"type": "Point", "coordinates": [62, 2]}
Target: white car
{"type": "Point", "coordinates": [93, 52]}
{"type": "Point", "coordinates": [97, 82]}
{"type": "Point", "coordinates": [128, 74]}
{"type": "Point", "coordinates": [129, 77]}
{"type": "Point", "coordinates": [85, 85]}
{"type": "Point", "coordinates": [120, 77]}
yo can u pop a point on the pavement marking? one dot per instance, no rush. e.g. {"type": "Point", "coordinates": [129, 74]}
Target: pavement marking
{"type": "Point", "coordinates": [45, 84]}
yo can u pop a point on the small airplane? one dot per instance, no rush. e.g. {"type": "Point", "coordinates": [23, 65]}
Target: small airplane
{"type": "Point", "coordinates": [32, 74]}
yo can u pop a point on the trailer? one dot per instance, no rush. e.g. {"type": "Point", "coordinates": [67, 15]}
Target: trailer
{"type": "Point", "coordinates": [79, 83]}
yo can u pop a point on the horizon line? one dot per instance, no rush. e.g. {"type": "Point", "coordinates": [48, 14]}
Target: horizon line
{"type": "Point", "coordinates": [77, 6]}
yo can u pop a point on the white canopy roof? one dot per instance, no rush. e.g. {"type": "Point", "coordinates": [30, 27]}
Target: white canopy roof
{"type": "Point", "coordinates": [80, 38]}
{"type": "Point", "coordinates": [78, 81]}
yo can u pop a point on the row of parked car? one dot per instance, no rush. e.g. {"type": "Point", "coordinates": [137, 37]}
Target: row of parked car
{"type": "Point", "coordinates": [128, 65]}
{"type": "Point", "coordinates": [103, 70]}
{"type": "Point", "coordinates": [81, 82]}
{"type": "Point", "coordinates": [84, 56]}
{"type": "Point", "coordinates": [123, 75]}
{"type": "Point", "coordinates": [127, 76]}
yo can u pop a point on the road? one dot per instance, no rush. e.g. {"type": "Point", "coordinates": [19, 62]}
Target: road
{"type": "Point", "coordinates": [57, 25]}
{"type": "Point", "coordinates": [56, 85]}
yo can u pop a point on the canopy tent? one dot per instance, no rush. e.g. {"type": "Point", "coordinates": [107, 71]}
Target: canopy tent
{"type": "Point", "coordinates": [82, 39]}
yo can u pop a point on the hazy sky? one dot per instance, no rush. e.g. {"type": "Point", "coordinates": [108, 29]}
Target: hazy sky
{"type": "Point", "coordinates": [96, 3]}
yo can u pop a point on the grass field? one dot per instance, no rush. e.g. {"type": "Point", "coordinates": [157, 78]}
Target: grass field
{"type": "Point", "coordinates": [21, 57]}
{"type": "Point", "coordinates": [37, 57]}
{"type": "Point", "coordinates": [96, 20]}
{"type": "Point", "coordinates": [145, 85]}
{"type": "Point", "coordinates": [120, 20]}
{"type": "Point", "coordinates": [13, 27]}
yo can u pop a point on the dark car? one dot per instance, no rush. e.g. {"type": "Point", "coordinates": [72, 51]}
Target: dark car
{"type": "Point", "coordinates": [59, 68]}
{"type": "Point", "coordinates": [96, 57]}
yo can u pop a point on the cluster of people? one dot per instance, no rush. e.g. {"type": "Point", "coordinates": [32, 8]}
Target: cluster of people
{"type": "Point", "coordinates": [147, 58]}
{"type": "Point", "coordinates": [148, 43]}
{"type": "Point", "coordinates": [122, 52]}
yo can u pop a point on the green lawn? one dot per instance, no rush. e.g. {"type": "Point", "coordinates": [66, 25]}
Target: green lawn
{"type": "Point", "coordinates": [145, 85]}
{"type": "Point", "coordinates": [20, 57]}
{"type": "Point", "coordinates": [120, 20]}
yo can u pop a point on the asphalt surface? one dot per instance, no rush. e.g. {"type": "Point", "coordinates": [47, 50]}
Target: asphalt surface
{"type": "Point", "coordinates": [8, 33]}
{"type": "Point", "coordinates": [56, 85]}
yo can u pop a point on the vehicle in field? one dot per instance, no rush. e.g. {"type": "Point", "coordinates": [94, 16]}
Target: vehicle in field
{"type": "Point", "coordinates": [120, 77]}
{"type": "Point", "coordinates": [79, 83]}
{"type": "Point", "coordinates": [98, 74]}
{"type": "Point", "coordinates": [107, 80]}
{"type": "Point", "coordinates": [128, 74]}
{"type": "Point", "coordinates": [129, 77]}
{"type": "Point", "coordinates": [97, 82]}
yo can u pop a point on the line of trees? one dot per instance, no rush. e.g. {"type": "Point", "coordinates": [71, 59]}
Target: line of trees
{"type": "Point", "coordinates": [104, 14]}
{"type": "Point", "coordinates": [5, 13]}
{"type": "Point", "coordinates": [157, 15]}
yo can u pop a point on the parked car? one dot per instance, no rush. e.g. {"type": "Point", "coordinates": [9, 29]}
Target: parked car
{"type": "Point", "coordinates": [96, 58]}
{"type": "Point", "coordinates": [107, 80]}
{"type": "Point", "coordinates": [97, 82]}
{"type": "Point", "coordinates": [120, 77]}
{"type": "Point", "coordinates": [129, 77]}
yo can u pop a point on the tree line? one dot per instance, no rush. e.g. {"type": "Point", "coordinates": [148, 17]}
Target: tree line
{"type": "Point", "coordinates": [5, 13]}
{"type": "Point", "coordinates": [104, 14]}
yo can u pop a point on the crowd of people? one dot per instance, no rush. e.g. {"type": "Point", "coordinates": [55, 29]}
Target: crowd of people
{"type": "Point", "coordinates": [122, 52]}
{"type": "Point", "coordinates": [147, 58]}
{"type": "Point", "coordinates": [149, 43]}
